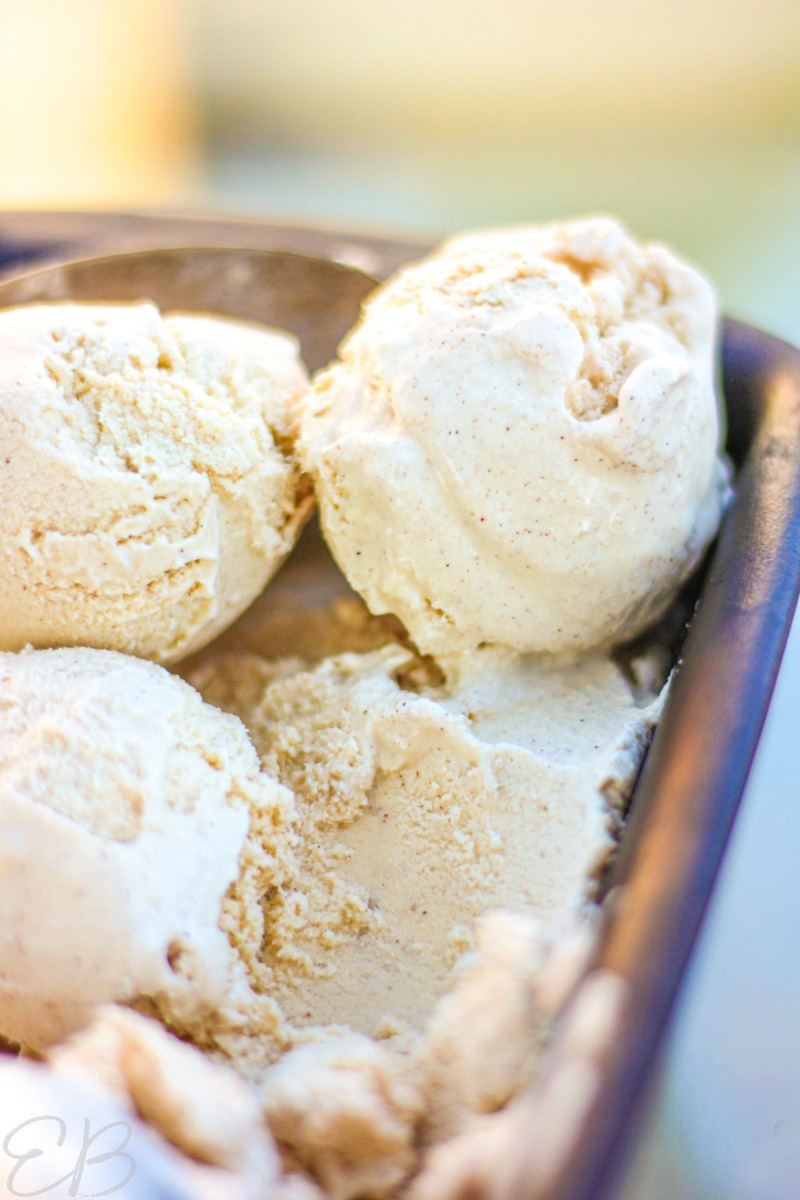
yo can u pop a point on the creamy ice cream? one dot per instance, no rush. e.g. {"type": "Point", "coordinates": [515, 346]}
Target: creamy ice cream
{"type": "Point", "coordinates": [487, 1033]}
{"type": "Point", "coordinates": [520, 442]}
{"type": "Point", "coordinates": [125, 1107]}
{"type": "Point", "coordinates": [360, 1117]}
{"type": "Point", "coordinates": [64, 1137]}
{"type": "Point", "coordinates": [147, 858]}
{"type": "Point", "coordinates": [148, 484]}
{"type": "Point", "coordinates": [426, 794]}
{"type": "Point", "coordinates": [350, 869]}
{"type": "Point", "coordinates": [346, 1110]}
{"type": "Point", "coordinates": [199, 1107]}
{"type": "Point", "coordinates": [129, 812]}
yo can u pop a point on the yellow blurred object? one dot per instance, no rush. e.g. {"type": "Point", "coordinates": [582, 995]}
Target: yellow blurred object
{"type": "Point", "coordinates": [413, 70]}
{"type": "Point", "coordinates": [94, 104]}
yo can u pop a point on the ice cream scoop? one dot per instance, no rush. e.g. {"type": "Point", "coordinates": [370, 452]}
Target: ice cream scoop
{"type": "Point", "coordinates": [520, 442]}
{"type": "Point", "coordinates": [126, 809]}
{"type": "Point", "coordinates": [148, 483]}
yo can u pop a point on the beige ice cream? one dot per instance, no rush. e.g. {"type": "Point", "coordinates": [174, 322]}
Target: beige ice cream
{"type": "Point", "coordinates": [346, 1110]}
{"type": "Point", "coordinates": [129, 810]}
{"type": "Point", "coordinates": [160, 1118]}
{"type": "Point", "coordinates": [148, 484]}
{"type": "Point", "coordinates": [363, 893]}
{"type": "Point", "coordinates": [203, 1110]}
{"type": "Point", "coordinates": [487, 1033]}
{"type": "Point", "coordinates": [425, 795]}
{"type": "Point", "coordinates": [64, 1134]}
{"type": "Point", "coordinates": [147, 859]}
{"type": "Point", "coordinates": [520, 442]}
{"type": "Point", "coordinates": [360, 1117]}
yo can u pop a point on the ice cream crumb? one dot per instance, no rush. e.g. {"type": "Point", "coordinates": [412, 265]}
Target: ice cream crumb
{"type": "Point", "coordinates": [346, 1110]}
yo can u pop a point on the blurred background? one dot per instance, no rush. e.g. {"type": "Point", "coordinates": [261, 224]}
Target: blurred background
{"type": "Point", "coordinates": [428, 116]}
{"type": "Point", "coordinates": [424, 115]}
